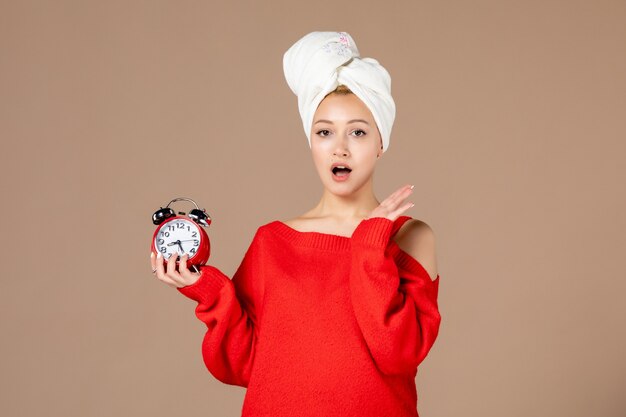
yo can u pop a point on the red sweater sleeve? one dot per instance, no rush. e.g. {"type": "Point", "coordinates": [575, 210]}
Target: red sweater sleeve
{"type": "Point", "coordinates": [228, 310]}
{"type": "Point", "coordinates": [398, 315]}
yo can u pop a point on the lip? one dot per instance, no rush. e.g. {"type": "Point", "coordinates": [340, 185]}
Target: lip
{"type": "Point", "coordinates": [340, 164]}
{"type": "Point", "coordinates": [340, 179]}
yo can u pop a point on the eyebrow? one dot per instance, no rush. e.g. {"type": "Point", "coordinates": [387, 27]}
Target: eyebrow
{"type": "Point", "coordinates": [349, 121]}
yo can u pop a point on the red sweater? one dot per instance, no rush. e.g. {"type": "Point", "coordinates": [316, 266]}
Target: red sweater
{"type": "Point", "coordinates": [315, 324]}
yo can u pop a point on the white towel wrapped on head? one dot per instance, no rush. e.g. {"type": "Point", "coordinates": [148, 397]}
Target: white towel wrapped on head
{"type": "Point", "coordinates": [320, 61]}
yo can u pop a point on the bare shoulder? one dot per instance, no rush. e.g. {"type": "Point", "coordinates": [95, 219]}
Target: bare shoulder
{"type": "Point", "coordinates": [417, 238]}
{"type": "Point", "coordinates": [295, 223]}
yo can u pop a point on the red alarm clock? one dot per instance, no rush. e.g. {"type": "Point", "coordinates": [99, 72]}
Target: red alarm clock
{"type": "Point", "coordinates": [182, 233]}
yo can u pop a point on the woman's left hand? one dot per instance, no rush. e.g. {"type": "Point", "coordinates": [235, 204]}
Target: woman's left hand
{"type": "Point", "coordinates": [393, 206]}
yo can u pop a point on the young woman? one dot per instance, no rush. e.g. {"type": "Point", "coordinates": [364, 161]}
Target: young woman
{"type": "Point", "coordinates": [331, 312]}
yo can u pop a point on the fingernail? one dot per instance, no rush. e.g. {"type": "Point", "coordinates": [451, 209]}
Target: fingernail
{"type": "Point", "coordinates": [159, 255]}
{"type": "Point", "coordinates": [412, 186]}
{"type": "Point", "coordinates": [412, 205]}
{"type": "Point", "coordinates": [152, 254]}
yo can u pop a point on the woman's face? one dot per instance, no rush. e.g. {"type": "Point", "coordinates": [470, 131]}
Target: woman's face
{"type": "Point", "coordinates": [344, 131]}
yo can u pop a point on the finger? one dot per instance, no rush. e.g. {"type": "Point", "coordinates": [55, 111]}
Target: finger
{"type": "Point", "coordinates": [395, 200]}
{"type": "Point", "coordinates": [152, 261]}
{"type": "Point", "coordinates": [404, 192]}
{"type": "Point", "coordinates": [182, 264]}
{"type": "Point", "coordinates": [158, 264]}
{"type": "Point", "coordinates": [172, 273]}
{"type": "Point", "coordinates": [188, 276]}
{"type": "Point", "coordinates": [402, 209]}
{"type": "Point", "coordinates": [183, 268]}
{"type": "Point", "coordinates": [399, 193]}
{"type": "Point", "coordinates": [170, 264]}
{"type": "Point", "coordinates": [160, 269]}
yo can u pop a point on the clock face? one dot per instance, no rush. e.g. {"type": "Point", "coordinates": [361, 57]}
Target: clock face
{"type": "Point", "coordinates": [178, 235]}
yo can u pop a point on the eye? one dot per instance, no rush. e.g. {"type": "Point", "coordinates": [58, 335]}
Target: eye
{"type": "Point", "coordinates": [361, 131]}
{"type": "Point", "coordinates": [323, 132]}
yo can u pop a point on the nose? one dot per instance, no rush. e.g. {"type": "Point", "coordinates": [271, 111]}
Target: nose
{"type": "Point", "coordinates": [341, 146]}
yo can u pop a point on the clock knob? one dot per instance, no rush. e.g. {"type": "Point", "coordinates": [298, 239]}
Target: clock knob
{"type": "Point", "coordinates": [200, 217]}
{"type": "Point", "coordinates": [162, 214]}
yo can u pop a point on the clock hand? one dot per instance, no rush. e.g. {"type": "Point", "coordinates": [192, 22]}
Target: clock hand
{"type": "Point", "coordinates": [176, 242]}
{"type": "Point", "coordinates": [182, 251]}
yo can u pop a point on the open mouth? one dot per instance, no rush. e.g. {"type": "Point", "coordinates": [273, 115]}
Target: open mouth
{"type": "Point", "coordinates": [341, 171]}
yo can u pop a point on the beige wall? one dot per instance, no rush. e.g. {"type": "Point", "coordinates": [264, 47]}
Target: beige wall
{"type": "Point", "coordinates": [510, 122]}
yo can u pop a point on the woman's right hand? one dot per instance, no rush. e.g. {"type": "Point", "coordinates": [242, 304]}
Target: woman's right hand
{"type": "Point", "coordinates": [169, 275]}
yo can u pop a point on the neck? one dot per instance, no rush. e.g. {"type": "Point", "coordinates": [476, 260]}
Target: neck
{"type": "Point", "coordinates": [348, 207]}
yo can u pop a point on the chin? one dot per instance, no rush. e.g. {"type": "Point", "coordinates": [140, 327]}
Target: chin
{"type": "Point", "coordinates": [343, 189]}
{"type": "Point", "coordinates": [341, 193]}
